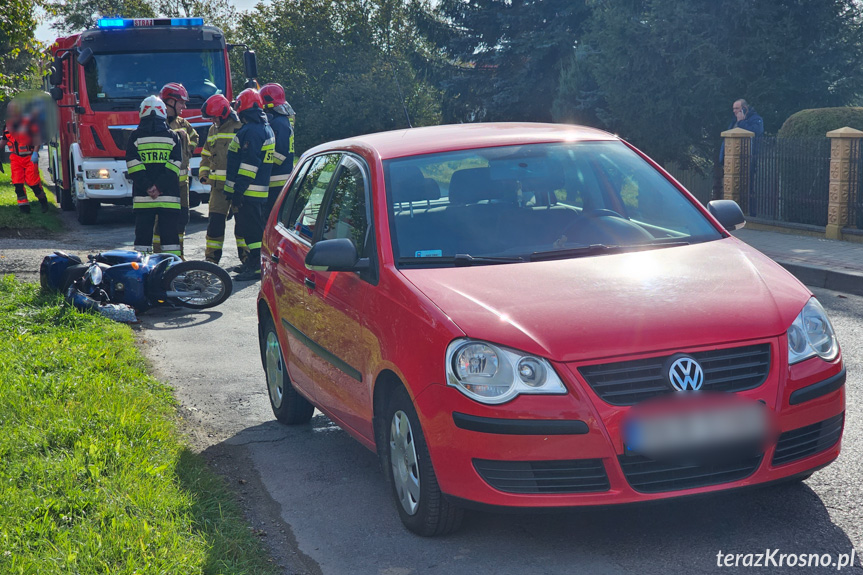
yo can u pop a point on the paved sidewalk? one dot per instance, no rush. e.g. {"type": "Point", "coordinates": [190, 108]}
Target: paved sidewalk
{"type": "Point", "coordinates": [816, 262]}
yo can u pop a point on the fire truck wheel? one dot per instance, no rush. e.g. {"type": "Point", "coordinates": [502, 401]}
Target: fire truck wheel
{"type": "Point", "coordinates": [88, 211]}
{"type": "Point", "coordinates": [64, 198]}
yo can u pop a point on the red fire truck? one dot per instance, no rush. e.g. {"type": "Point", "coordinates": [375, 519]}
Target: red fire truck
{"type": "Point", "coordinates": [99, 78]}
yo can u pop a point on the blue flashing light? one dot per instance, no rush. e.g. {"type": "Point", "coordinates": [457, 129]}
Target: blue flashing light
{"type": "Point", "coordinates": [114, 23]}
{"type": "Point", "coordinates": [147, 22]}
{"type": "Point", "coordinates": [187, 21]}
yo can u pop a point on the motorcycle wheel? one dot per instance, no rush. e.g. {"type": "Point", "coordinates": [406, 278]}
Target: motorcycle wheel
{"type": "Point", "coordinates": [211, 283]}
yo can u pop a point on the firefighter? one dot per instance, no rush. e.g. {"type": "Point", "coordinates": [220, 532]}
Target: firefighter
{"type": "Point", "coordinates": [22, 136]}
{"type": "Point", "coordinates": [279, 114]}
{"type": "Point", "coordinates": [175, 97]}
{"type": "Point", "coordinates": [247, 182]}
{"type": "Point", "coordinates": [154, 155]}
{"type": "Point", "coordinates": [214, 163]}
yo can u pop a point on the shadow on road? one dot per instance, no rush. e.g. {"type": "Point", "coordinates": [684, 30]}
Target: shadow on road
{"type": "Point", "coordinates": [338, 504]}
{"type": "Point", "coordinates": [162, 318]}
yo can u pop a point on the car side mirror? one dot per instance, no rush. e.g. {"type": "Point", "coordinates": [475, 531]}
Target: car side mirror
{"type": "Point", "coordinates": [56, 93]}
{"type": "Point", "coordinates": [338, 255]}
{"type": "Point", "coordinates": [84, 56]}
{"type": "Point", "coordinates": [56, 76]}
{"type": "Point", "coordinates": [728, 213]}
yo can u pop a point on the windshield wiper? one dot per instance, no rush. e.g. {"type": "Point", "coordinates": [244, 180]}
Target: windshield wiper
{"type": "Point", "coordinates": [596, 249]}
{"type": "Point", "coordinates": [464, 260]}
{"type": "Point", "coordinates": [459, 260]}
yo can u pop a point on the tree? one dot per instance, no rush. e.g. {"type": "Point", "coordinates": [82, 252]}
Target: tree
{"type": "Point", "coordinates": [19, 50]}
{"type": "Point", "coordinates": [664, 73]}
{"type": "Point", "coordinates": [77, 15]}
{"type": "Point", "coordinates": [348, 67]}
{"type": "Point", "coordinates": [506, 55]}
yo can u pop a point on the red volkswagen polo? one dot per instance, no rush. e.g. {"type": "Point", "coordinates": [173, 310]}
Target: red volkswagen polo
{"type": "Point", "coordinates": [527, 315]}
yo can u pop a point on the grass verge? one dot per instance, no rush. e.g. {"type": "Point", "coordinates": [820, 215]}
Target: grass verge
{"type": "Point", "coordinates": [12, 218]}
{"type": "Point", "coordinates": [93, 475]}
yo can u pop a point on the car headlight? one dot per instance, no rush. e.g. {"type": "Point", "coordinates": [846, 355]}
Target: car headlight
{"type": "Point", "coordinates": [101, 174]}
{"type": "Point", "coordinates": [491, 374]}
{"type": "Point", "coordinates": [94, 274]}
{"type": "Point", "coordinates": [811, 334]}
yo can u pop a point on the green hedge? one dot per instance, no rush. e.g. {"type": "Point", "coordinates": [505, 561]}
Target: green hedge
{"type": "Point", "coordinates": [817, 122]}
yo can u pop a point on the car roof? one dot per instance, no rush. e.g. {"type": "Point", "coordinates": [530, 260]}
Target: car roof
{"type": "Point", "coordinates": [434, 139]}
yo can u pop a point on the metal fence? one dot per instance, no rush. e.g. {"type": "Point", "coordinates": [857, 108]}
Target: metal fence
{"type": "Point", "coordinates": [699, 181]}
{"type": "Point", "coordinates": [789, 179]}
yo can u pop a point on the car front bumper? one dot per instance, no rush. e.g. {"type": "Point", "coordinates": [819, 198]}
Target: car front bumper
{"type": "Point", "coordinates": [566, 450]}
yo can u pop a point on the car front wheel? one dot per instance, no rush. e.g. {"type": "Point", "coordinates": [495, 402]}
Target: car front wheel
{"type": "Point", "coordinates": [421, 505]}
{"type": "Point", "coordinates": [288, 405]}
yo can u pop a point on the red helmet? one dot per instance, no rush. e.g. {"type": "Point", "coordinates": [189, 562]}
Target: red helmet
{"type": "Point", "coordinates": [175, 91]}
{"type": "Point", "coordinates": [216, 107]}
{"type": "Point", "coordinates": [249, 98]}
{"type": "Point", "coordinates": [273, 95]}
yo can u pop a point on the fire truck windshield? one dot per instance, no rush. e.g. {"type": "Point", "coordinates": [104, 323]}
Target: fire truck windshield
{"type": "Point", "coordinates": [119, 81]}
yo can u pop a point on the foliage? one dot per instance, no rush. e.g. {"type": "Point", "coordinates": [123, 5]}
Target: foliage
{"type": "Point", "coordinates": [19, 50]}
{"type": "Point", "coordinates": [506, 55]}
{"type": "Point", "coordinates": [77, 15]}
{"type": "Point", "coordinates": [664, 73]}
{"type": "Point", "coordinates": [816, 123]}
{"type": "Point", "coordinates": [338, 63]}
{"type": "Point", "coordinates": [93, 478]}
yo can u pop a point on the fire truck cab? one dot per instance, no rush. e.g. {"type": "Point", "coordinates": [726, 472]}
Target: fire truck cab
{"type": "Point", "coordinates": [99, 78]}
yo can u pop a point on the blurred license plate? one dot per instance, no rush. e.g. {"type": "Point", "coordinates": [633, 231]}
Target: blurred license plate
{"type": "Point", "coordinates": [695, 429]}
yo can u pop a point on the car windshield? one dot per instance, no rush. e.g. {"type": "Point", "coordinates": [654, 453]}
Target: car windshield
{"type": "Point", "coordinates": [120, 81]}
{"type": "Point", "coordinates": [533, 202]}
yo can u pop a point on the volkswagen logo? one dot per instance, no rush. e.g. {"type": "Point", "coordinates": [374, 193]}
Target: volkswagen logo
{"type": "Point", "coordinates": [685, 374]}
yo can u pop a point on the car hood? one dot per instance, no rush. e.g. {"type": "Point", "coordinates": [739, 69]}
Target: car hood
{"type": "Point", "coordinates": [710, 293]}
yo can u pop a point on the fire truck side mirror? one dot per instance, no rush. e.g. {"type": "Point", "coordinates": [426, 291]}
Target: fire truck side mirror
{"type": "Point", "coordinates": [250, 62]}
{"type": "Point", "coordinates": [56, 77]}
{"type": "Point", "coordinates": [84, 56]}
{"type": "Point", "coordinates": [56, 92]}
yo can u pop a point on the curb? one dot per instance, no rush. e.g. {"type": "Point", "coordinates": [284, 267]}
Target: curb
{"type": "Point", "coordinates": [816, 276]}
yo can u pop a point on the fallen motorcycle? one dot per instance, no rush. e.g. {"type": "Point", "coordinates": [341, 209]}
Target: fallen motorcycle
{"type": "Point", "coordinates": [117, 283]}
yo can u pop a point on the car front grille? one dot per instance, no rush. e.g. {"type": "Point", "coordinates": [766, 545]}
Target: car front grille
{"type": "Point", "coordinates": [569, 476]}
{"type": "Point", "coordinates": [799, 443]}
{"type": "Point", "coordinates": [649, 476]}
{"type": "Point", "coordinates": [629, 382]}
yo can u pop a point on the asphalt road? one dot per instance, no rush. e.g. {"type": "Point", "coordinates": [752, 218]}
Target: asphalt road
{"type": "Point", "coordinates": [319, 500]}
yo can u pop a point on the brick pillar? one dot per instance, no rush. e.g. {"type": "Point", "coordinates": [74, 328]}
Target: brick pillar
{"type": "Point", "coordinates": [735, 183]}
{"type": "Point", "coordinates": [840, 179]}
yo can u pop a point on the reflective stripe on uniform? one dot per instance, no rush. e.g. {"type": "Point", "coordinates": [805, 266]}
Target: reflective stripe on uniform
{"type": "Point", "coordinates": [132, 163]}
{"type": "Point", "coordinates": [248, 170]}
{"type": "Point", "coordinates": [172, 167]}
{"type": "Point", "coordinates": [156, 146]}
{"type": "Point", "coordinates": [206, 153]}
{"type": "Point", "coordinates": [159, 199]}
{"type": "Point", "coordinates": [255, 246]}
{"type": "Point", "coordinates": [280, 179]}
{"type": "Point", "coordinates": [257, 191]}
{"type": "Point", "coordinates": [280, 158]}
{"type": "Point", "coordinates": [138, 168]}
{"type": "Point", "coordinates": [154, 140]}
{"type": "Point", "coordinates": [215, 244]}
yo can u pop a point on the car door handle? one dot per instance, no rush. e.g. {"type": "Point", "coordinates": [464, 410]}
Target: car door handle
{"type": "Point", "coordinates": [310, 283]}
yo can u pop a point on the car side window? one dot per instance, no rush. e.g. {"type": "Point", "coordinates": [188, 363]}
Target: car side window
{"type": "Point", "coordinates": [285, 209]}
{"type": "Point", "coordinates": [310, 195]}
{"type": "Point", "coordinates": [347, 215]}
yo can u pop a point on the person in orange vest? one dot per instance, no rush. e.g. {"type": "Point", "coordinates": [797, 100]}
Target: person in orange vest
{"type": "Point", "coordinates": [21, 134]}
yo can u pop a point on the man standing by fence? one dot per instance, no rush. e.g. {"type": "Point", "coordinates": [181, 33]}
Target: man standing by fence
{"type": "Point", "coordinates": [747, 118]}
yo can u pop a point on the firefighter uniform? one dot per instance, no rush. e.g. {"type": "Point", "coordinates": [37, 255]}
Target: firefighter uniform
{"type": "Point", "coordinates": [153, 158]}
{"type": "Point", "coordinates": [250, 162]}
{"type": "Point", "coordinates": [283, 156]}
{"type": "Point", "coordinates": [22, 137]}
{"type": "Point", "coordinates": [214, 164]}
{"type": "Point", "coordinates": [189, 142]}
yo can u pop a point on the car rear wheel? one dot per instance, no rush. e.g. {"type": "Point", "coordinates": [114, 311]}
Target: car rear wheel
{"type": "Point", "coordinates": [288, 405]}
{"type": "Point", "coordinates": [422, 507]}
